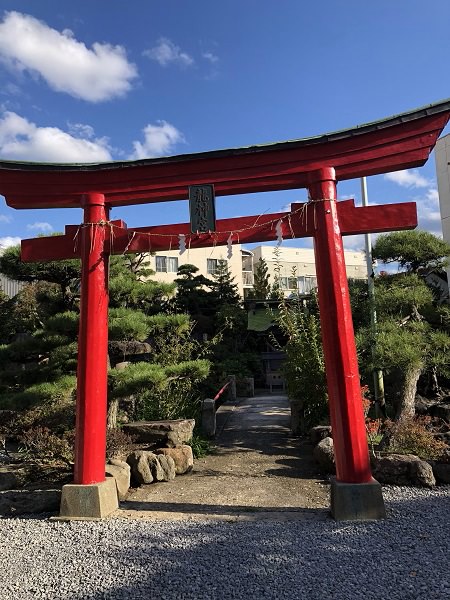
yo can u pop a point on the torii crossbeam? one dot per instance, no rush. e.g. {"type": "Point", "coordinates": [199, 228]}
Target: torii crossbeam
{"type": "Point", "coordinates": [399, 142]}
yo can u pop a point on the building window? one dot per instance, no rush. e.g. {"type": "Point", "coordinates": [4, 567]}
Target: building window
{"type": "Point", "coordinates": [288, 283]}
{"type": "Point", "coordinates": [306, 284]}
{"type": "Point", "coordinates": [166, 264]}
{"type": "Point", "coordinates": [212, 265]}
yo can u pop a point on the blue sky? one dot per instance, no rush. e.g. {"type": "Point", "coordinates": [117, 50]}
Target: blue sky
{"type": "Point", "coordinates": [105, 80]}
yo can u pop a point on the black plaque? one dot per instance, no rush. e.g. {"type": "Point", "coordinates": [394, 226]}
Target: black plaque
{"type": "Point", "coordinates": [202, 208]}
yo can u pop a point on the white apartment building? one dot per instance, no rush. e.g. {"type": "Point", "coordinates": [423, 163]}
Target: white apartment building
{"type": "Point", "coordinates": [294, 266]}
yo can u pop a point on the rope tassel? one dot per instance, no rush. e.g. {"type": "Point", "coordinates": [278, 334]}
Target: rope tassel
{"type": "Point", "coordinates": [230, 246]}
{"type": "Point", "coordinates": [279, 232]}
{"type": "Point", "coordinates": [182, 243]}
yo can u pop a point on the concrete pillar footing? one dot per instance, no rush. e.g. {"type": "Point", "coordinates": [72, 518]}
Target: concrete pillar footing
{"type": "Point", "coordinates": [357, 501]}
{"type": "Point", "coordinates": [88, 502]}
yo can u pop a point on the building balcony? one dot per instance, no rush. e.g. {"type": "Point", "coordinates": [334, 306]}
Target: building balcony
{"type": "Point", "coordinates": [247, 278]}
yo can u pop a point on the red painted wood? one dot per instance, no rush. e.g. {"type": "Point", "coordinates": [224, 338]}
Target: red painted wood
{"type": "Point", "coordinates": [271, 167]}
{"type": "Point", "coordinates": [341, 364]}
{"type": "Point", "coordinates": [389, 217]}
{"type": "Point", "coordinates": [90, 440]}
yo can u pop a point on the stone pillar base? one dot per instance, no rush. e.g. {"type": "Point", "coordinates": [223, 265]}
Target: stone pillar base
{"type": "Point", "coordinates": [94, 501]}
{"type": "Point", "coordinates": [357, 501]}
{"type": "Point", "coordinates": [209, 418]}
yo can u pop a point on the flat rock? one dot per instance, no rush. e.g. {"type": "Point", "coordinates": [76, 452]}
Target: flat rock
{"type": "Point", "coordinates": [155, 467]}
{"type": "Point", "coordinates": [441, 471]}
{"type": "Point", "coordinates": [8, 480]}
{"type": "Point", "coordinates": [442, 411]}
{"type": "Point", "coordinates": [403, 469]}
{"type": "Point", "coordinates": [147, 467]}
{"type": "Point", "coordinates": [167, 465]}
{"type": "Point", "coordinates": [169, 433]}
{"type": "Point", "coordinates": [318, 433]}
{"type": "Point", "coordinates": [324, 455]}
{"type": "Point", "coordinates": [141, 472]}
{"type": "Point", "coordinates": [22, 502]}
{"type": "Point", "coordinates": [182, 457]}
{"type": "Point", "coordinates": [121, 471]}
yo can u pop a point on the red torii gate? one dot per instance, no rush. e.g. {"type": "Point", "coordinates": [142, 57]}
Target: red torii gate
{"type": "Point", "coordinates": [400, 142]}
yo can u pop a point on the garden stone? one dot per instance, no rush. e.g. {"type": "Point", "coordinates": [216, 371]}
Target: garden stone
{"type": "Point", "coordinates": [170, 433]}
{"type": "Point", "coordinates": [22, 502]}
{"type": "Point", "coordinates": [403, 469]}
{"type": "Point", "coordinates": [324, 455]}
{"type": "Point", "coordinates": [167, 465]}
{"type": "Point", "coordinates": [182, 457]}
{"type": "Point", "coordinates": [155, 466]}
{"type": "Point", "coordinates": [121, 472]}
{"type": "Point", "coordinates": [8, 480]}
{"type": "Point", "coordinates": [423, 473]}
{"type": "Point", "coordinates": [141, 472]}
{"type": "Point", "coordinates": [316, 434]}
{"type": "Point", "coordinates": [423, 405]}
{"type": "Point", "coordinates": [442, 411]}
{"type": "Point", "coordinates": [441, 471]}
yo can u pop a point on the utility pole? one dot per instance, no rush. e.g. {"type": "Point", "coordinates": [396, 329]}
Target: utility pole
{"type": "Point", "coordinates": [378, 381]}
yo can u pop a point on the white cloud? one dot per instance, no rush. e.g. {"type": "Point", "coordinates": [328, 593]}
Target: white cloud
{"type": "Point", "coordinates": [411, 178]}
{"type": "Point", "coordinates": [21, 139]}
{"type": "Point", "coordinates": [40, 226]}
{"type": "Point", "coordinates": [79, 130]}
{"type": "Point", "coordinates": [212, 58]}
{"type": "Point", "coordinates": [8, 241]}
{"type": "Point", "coordinates": [354, 242]}
{"type": "Point", "coordinates": [67, 65]}
{"type": "Point", "coordinates": [166, 53]}
{"type": "Point", "coordinates": [11, 89]}
{"type": "Point", "coordinates": [160, 139]}
{"type": "Point", "coordinates": [429, 214]}
{"type": "Point", "coordinates": [5, 219]}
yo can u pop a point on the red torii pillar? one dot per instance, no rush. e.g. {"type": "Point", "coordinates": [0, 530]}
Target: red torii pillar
{"type": "Point", "coordinates": [341, 363]}
{"type": "Point", "coordinates": [322, 218]}
{"type": "Point", "coordinates": [92, 371]}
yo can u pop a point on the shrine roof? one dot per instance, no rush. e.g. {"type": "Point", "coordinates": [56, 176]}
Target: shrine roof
{"type": "Point", "coordinates": [397, 142]}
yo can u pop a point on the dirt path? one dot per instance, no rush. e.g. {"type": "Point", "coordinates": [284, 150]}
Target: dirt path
{"type": "Point", "coordinates": [258, 471]}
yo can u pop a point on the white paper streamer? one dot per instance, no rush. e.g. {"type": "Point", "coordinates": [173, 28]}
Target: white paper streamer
{"type": "Point", "coordinates": [279, 232]}
{"type": "Point", "coordinates": [230, 246]}
{"type": "Point", "coordinates": [182, 242]}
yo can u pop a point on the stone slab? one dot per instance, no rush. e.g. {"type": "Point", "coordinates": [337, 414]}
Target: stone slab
{"type": "Point", "coordinates": [97, 500]}
{"type": "Point", "coordinates": [169, 433]}
{"type": "Point", "coordinates": [23, 502]}
{"type": "Point", "coordinates": [357, 501]}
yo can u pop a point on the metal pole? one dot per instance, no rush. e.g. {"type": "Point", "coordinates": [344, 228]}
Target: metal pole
{"type": "Point", "coordinates": [378, 380]}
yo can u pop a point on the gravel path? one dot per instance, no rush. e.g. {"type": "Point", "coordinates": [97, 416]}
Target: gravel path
{"type": "Point", "coordinates": [406, 556]}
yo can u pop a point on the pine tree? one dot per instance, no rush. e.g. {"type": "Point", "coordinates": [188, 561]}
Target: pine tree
{"type": "Point", "coordinates": [50, 350]}
{"type": "Point", "coordinates": [410, 339]}
{"type": "Point", "coordinates": [261, 286]}
{"type": "Point", "coordinates": [225, 291]}
{"type": "Point", "coordinates": [193, 292]}
{"type": "Point", "coordinates": [64, 273]}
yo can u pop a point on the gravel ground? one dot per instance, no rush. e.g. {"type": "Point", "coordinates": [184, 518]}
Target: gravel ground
{"type": "Point", "coordinates": [406, 556]}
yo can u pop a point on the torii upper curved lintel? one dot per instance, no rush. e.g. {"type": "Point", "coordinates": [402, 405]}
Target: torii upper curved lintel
{"type": "Point", "coordinates": [398, 142]}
